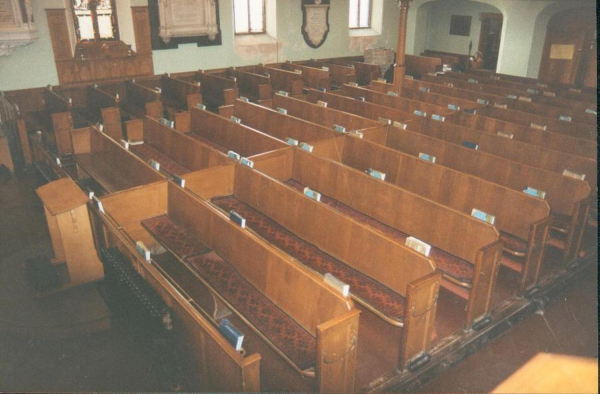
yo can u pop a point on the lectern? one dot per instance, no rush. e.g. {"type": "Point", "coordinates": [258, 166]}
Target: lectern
{"type": "Point", "coordinates": [75, 257]}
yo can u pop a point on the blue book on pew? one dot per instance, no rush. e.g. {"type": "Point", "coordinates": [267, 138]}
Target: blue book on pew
{"type": "Point", "coordinates": [232, 334]}
{"type": "Point", "coordinates": [470, 145]}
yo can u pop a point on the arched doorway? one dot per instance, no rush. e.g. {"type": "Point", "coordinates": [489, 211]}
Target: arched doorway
{"type": "Point", "coordinates": [569, 55]}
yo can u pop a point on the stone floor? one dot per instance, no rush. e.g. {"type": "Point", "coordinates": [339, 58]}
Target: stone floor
{"type": "Point", "coordinates": [63, 343]}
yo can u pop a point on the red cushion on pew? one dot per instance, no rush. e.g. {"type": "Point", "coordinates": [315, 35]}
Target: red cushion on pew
{"type": "Point", "coordinates": [374, 293]}
{"type": "Point", "coordinates": [448, 264]}
{"type": "Point", "coordinates": [166, 163]}
{"type": "Point", "coordinates": [173, 237]}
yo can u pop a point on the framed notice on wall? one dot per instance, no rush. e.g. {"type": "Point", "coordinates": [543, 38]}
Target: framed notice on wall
{"type": "Point", "coordinates": [460, 25]}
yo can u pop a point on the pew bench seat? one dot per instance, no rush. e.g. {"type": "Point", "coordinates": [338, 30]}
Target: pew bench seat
{"type": "Point", "coordinates": [514, 245]}
{"type": "Point", "coordinates": [208, 142]}
{"type": "Point", "coordinates": [104, 172]}
{"type": "Point", "coordinates": [148, 153]}
{"type": "Point", "coordinates": [282, 331]}
{"type": "Point", "coordinates": [362, 287]}
{"type": "Point", "coordinates": [454, 269]}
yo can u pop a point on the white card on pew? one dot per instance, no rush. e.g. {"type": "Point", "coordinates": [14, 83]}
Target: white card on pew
{"type": "Point", "coordinates": [549, 94]}
{"type": "Point", "coordinates": [236, 120]}
{"type": "Point", "coordinates": [143, 250]}
{"type": "Point", "coordinates": [453, 107]}
{"type": "Point", "coordinates": [201, 106]}
{"type": "Point", "coordinates": [339, 129]}
{"type": "Point", "coordinates": [158, 90]}
{"type": "Point", "coordinates": [591, 111]}
{"type": "Point", "coordinates": [381, 80]}
{"type": "Point", "coordinates": [400, 125]}
{"type": "Point", "coordinates": [450, 85]}
{"type": "Point", "coordinates": [90, 193]}
{"type": "Point", "coordinates": [233, 155]}
{"type": "Point", "coordinates": [282, 111]}
{"type": "Point", "coordinates": [58, 162]}
{"type": "Point", "coordinates": [298, 71]}
{"type": "Point", "coordinates": [337, 284]}
{"type": "Point", "coordinates": [505, 135]}
{"type": "Point", "coordinates": [471, 80]}
{"type": "Point", "coordinates": [391, 93]}
{"type": "Point", "coordinates": [325, 68]}
{"type": "Point", "coordinates": [565, 118]}
{"type": "Point", "coordinates": [283, 93]}
{"type": "Point", "coordinates": [244, 99]}
{"type": "Point", "coordinates": [470, 111]}
{"type": "Point", "coordinates": [100, 127]}
{"type": "Point", "coordinates": [498, 105]}
{"type": "Point", "coordinates": [483, 216]}
{"type": "Point", "coordinates": [99, 204]}
{"type": "Point", "coordinates": [408, 77]}
{"type": "Point", "coordinates": [322, 104]}
{"type": "Point", "coordinates": [534, 192]}
{"type": "Point", "coordinates": [247, 162]}
{"type": "Point", "coordinates": [356, 133]}
{"type": "Point", "coordinates": [353, 84]}
{"type": "Point", "coordinates": [426, 157]}
{"type": "Point", "coordinates": [155, 164]}
{"type": "Point", "coordinates": [291, 141]}
{"type": "Point", "coordinates": [439, 118]}
{"type": "Point", "coordinates": [385, 121]}
{"type": "Point", "coordinates": [306, 147]}
{"type": "Point", "coordinates": [322, 89]}
{"type": "Point", "coordinates": [420, 113]}
{"type": "Point", "coordinates": [511, 96]}
{"type": "Point", "coordinates": [418, 245]}
{"type": "Point", "coordinates": [125, 144]}
{"type": "Point", "coordinates": [237, 218]}
{"type": "Point", "coordinates": [532, 91]}
{"type": "Point", "coordinates": [234, 79]}
{"type": "Point", "coordinates": [308, 192]}
{"type": "Point", "coordinates": [525, 99]}
{"type": "Point", "coordinates": [483, 101]}
{"type": "Point", "coordinates": [360, 98]}
{"type": "Point", "coordinates": [376, 174]}
{"type": "Point", "coordinates": [538, 126]}
{"type": "Point", "coordinates": [424, 89]}
{"type": "Point", "coordinates": [574, 175]}
{"type": "Point", "coordinates": [198, 83]}
{"type": "Point", "coordinates": [133, 143]}
{"type": "Point", "coordinates": [178, 180]}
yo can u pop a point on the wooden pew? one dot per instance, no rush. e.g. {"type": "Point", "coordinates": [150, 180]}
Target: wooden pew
{"type": "Point", "coordinates": [288, 315]}
{"type": "Point", "coordinates": [312, 77]}
{"type": "Point", "coordinates": [135, 100]}
{"type": "Point", "coordinates": [218, 93]}
{"type": "Point", "coordinates": [393, 101]}
{"type": "Point", "coordinates": [280, 126]}
{"type": "Point", "coordinates": [517, 151]}
{"type": "Point", "coordinates": [111, 167]}
{"type": "Point", "coordinates": [568, 198]}
{"type": "Point", "coordinates": [280, 215]}
{"type": "Point", "coordinates": [516, 86]}
{"type": "Point", "coordinates": [501, 101]}
{"type": "Point", "coordinates": [365, 72]}
{"type": "Point", "coordinates": [449, 58]}
{"type": "Point", "coordinates": [281, 80]}
{"type": "Point", "coordinates": [419, 65]}
{"type": "Point", "coordinates": [226, 135]}
{"type": "Point", "coordinates": [469, 265]}
{"type": "Point", "coordinates": [362, 108]}
{"type": "Point", "coordinates": [339, 74]}
{"type": "Point", "coordinates": [523, 221]}
{"type": "Point", "coordinates": [55, 122]}
{"type": "Point", "coordinates": [176, 94]}
{"type": "Point", "coordinates": [369, 129]}
{"type": "Point", "coordinates": [473, 86]}
{"type": "Point", "coordinates": [176, 153]}
{"type": "Point", "coordinates": [255, 87]}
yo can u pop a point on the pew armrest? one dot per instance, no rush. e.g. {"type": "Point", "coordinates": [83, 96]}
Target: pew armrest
{"type": "Point", "coordinates": [421, 307]}
{"type": "Point", "coordinates": [336, 353]}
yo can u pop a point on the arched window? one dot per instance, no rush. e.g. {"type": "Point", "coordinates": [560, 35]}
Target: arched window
{"type": "Point", "coordinates": [360, 14]}
{"type": "Point", "coordinates": [95, 20]}
{"type": "Point", "coordinates": [249, 16]}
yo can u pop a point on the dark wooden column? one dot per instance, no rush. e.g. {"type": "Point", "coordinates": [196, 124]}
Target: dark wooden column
{"type": "Point", "coordinates": [400, 67]}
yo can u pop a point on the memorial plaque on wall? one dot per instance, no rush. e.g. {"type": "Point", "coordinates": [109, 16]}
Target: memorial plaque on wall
{"type": "Point", "coordinates": [174, 22]}
{"type": "Point", "coordinates": [315, 22]}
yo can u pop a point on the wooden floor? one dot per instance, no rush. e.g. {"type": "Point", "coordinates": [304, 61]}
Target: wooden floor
{"type": "Point", "coordinates": [64, 343]}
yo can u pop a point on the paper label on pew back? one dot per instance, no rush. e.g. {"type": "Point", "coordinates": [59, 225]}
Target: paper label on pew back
{"type": "Point", "coordinates": [511, 96]}
{"type": "Point", "coordinates": [99, 204]}
{"type": "Point", "coordinates": [298, 71]}
{"type": "Point", "coordinates": [426, 157]}
{"type": "Point", "coordinates": [100, 127]}
{"type": "Point", "coordinates": [591, 111]}
{"type": "Point", "coordinates": [282, 93]}
{"type": "Point", "coordinates": [450, 85]}
{"type": "Point", "coordinates": [574, 175]}
{"type": "Point", "coordinates": [439, 118]}
{"type": "Point", "coordinates": [58, 162]}
{"type": "Point", "coordinates": [322, 104]}
{"type": "Point", "coordinates": [400, 125]}
{"type": "Point", "coordinates": [391, 93]}
{"type": "Point", "coordinates": [282, 111]}
{"type": "Point", "coordinates": [244, 99]}
{"type": "Point", "coordinates": [339, 129]}
{"type": "Point", "coordinates": [418, 245]}
{"type": "Point", "coordinates": [337, 284]}
{"type": "Point", "coordinates": [525, 99]}
{"type": "Point", "coordinates": [233, 155]}
{"type": "Point", "coordinates": [155, 164]}
{"type": "Point", "coordinates": [534, 192]}
{"type": "Point", "coordinates": [420, 113]}
{"type": "Point", "coordinates": [470, 145]}
{"type": "Point", "coordinates": [125, 144]}
{"type": "Point", "coordinates": [376, 174]}
{"type": "Point", "coordinates": [291, 141]}
{"type": "Point", "coordinates": [549, 94]}
{"type": "Point", "coordinates": [321, 89]}
{"type": "Point", "coordinates": [178, 180]}
{"type": "Point", "coordinates": [532, 91]}
{"type": "Point", "coordinates": [325, 68]}
{"type": "Point", "coordinates": [236, 120]}
{"type": "Point", "coordinates": [406, 77]}
{"type": "Point", "coordinates": [247, 162]}
{"type": "Point", "coordinates": [505, 135]}
{"type": "Point", "coordinates": [538, 126]}
{"type": "Point", "coordinates": [470, 111]}
{"type": "Point", "coordinates": [356, 133]}
{"type": "Point", "coordinates": [143, 250]}
{"type": "Point", "coordinates": [353, 84]}
{"type": "Point", "coordinates": [424, 89]}
{"type": "Point", "coordinates": [471, 80]}
{"type": "Point", "coordinates": [483, 101]}
{"type": "Point", "coordinates": [201, 106]}
{"type": "Point", "coordinates": [133, 143]}
{"type": "Point", "coordinates": [453, 107]}
{"type": "Point", "coordinates": [483, 216]}
{"type": "Point", "coordinates": [306, 147]}
{"type": "Point", "coordinates": [382, 80]}
{"type": "Point", "coordinates": [385, 121]}
{"type": "Point", "coordinates": [360, 98]}
{"type": "Point", "coordinates": [565, 118]}
{"type": "Point", "coordinates": [308, 192]}
{"type": "Point", "coordinates": [498, 105]}
{"type": "Point", "coordinates": [237, 218]}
